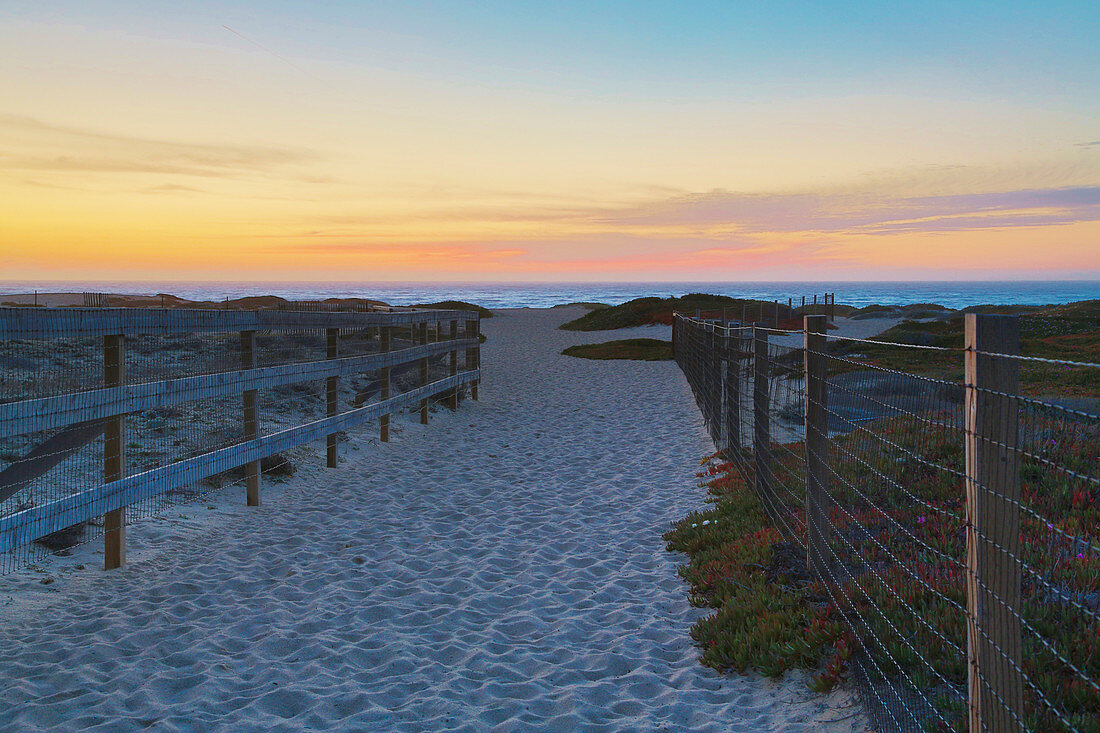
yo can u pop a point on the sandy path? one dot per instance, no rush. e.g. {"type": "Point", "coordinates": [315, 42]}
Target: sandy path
{"type": "Point", "coordinates": [500, 570]}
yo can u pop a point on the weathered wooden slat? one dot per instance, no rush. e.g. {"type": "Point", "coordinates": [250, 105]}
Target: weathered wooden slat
{"type": "Point", "coordinates": [23, 527]}
{"type": "Point", "coordinates": [46, 413]}
{"type": "Point", "coordinates": [39, 323]}
{"type": "Point", "coordinates": [332, 396]}
{"type": "Point", "coordinates": [995, 647]}
{"type": "Point", "coordinates": [385, 337]}
{"type": "Point", "coordinates": [452, 335]}
{"type": "Point", "coordinates": [251, 424]}
{"type": "Point", "coordinates": [817, 445]}
{"type": "Point", "coordinates": [114, 454]}
{"type": "Point", "coordinates": [424, 374]}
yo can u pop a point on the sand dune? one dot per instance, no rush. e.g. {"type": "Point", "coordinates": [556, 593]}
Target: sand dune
{"type": "Point", "coordinates": [501, 569]}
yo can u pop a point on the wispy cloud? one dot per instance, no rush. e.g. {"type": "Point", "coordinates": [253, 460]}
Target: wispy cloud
{"type": "Point", "coordinates": [704, 232]}
{"type": "Point", "coordinates": [446, 251]}
{"type": "Point", "coordinates": [171, 188]}
{"type": "Point", "coordinates": [33, 145]}
{"type": "Point", "coordinates": [865, 213]}
{"type": "Point", "coordinates": [720, 216]}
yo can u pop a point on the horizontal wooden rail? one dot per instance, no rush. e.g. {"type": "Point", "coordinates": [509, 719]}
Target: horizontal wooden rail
{"type": "Point", "coordinates": [47, 413]}
{"type": "Point", "coordinates": [22, 527]}
{"type": "Point", "coordinates": [42, 323]}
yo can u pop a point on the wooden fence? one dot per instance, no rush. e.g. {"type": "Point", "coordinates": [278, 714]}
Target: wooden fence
{"type": "Point", "coordinates": [84, 415]}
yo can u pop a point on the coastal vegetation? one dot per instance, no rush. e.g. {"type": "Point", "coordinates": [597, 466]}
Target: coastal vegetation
{"type": "Point", "coordinates": [911, 310]}
{"type": "Point", "coordinates": [647, 311]}
{"type": "Point", "coordinates": [1068, 332]}
{"type": "Point", "coordinates": [641, 349]}
{"type": "Point", "coordinates": [898, 573]}
{"type": "Point", "coordinates": [740, 567]}
{"type": "Point", "coordinates": [458, 305]}
{"type": "Point", "coordinates": [583, 304]}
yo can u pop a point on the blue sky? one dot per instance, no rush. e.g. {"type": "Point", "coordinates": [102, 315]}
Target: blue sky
{"type": "Point", "coordinates": [1019, 48]}
{"type": "Point", "coordinates": [522, 136]}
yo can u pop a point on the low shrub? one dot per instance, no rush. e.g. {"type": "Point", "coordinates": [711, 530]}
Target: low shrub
{"type": "Point", "coordinates": [636, 349]}
{"type": "Point", "coordinates": [646, 311]}
{"type": "Point", "coordinates": [457, 305]}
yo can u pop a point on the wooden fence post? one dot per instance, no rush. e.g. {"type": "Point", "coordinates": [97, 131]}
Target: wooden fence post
{"type": "Point", "coordinates": [710, 381]}
{"type": "Point", "coordinates": [817, 442]}
{"type": "Point", "coordinates": [722, 365]}
{"type": "Point", "coordinates": [424, 374]}
{"type": "Point", "coordinates": [251, 419]}
{"type": "Point", "coordinates": [717, 382]}
{"type": "Point", "coordinates": [453, 336]}
{"type": "Point", "coordinates": [386, 338]}
{"type": "Point", "coordinates": [733, 393]}
{"type": "Point", "coordinates": [114, 453]}
{"type": "Point", "coordinates": [994, 647]}
{"type": "Point", "coordinates": [761, 438]}
{"type": "Point", "coordinates": [471, 358]}
{"type": "Point", "coordinates": [332, 391]}
{"type": "Point", "coordinates": [477, 356]}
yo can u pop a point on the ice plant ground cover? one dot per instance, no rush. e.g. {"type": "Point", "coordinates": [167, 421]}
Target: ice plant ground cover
{"type": "Point", "coordinates": [898, 592]}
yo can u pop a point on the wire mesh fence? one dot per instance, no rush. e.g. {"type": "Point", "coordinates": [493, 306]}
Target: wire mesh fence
{"type": "Point", "coordinates": [948, 519]}
{"type": "Point", "coordinates": [108, 416]}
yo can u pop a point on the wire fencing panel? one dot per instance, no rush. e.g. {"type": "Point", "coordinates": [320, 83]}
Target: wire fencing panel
{"type": "Point", "coordinates": [958, 519]}
{"type": "Point", "coordinates": [132, 411]}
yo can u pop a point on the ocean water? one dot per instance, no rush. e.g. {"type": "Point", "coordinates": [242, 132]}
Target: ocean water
{"type": "Point", "coordinates": [545, 295]}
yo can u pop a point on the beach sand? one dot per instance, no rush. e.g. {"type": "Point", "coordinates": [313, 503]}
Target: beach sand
{"type": "Point", "coordinates": [501, 569]}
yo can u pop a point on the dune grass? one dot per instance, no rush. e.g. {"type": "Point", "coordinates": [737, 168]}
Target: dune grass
{"type": "Point", "coordinates": [587, 305]}
{"type": "Point", "coordinates": [646, 311]}
{"type": "Point", "coordinates": [636, 349]}
{"type": "Point", "coordinates": [457, 305]}
{"type": "Point", "coordinates": [1070, 332]}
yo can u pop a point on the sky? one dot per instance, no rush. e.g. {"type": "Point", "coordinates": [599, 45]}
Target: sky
{"type": "Point", "coordinates": [530, 141]}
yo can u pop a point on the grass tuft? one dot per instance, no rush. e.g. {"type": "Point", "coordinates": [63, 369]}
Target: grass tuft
{"type": "Point", "coordinates": [646, 311]}
{"type": "Point", "coordinates": [636, 349]}
{"type": "Point", "coordinates": [457, 305]}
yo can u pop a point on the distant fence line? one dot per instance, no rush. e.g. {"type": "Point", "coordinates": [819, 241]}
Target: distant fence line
{"type": "Point", "coordinates": [953, 525]}
{"type": "Point", "coordinates": [199, 386]}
